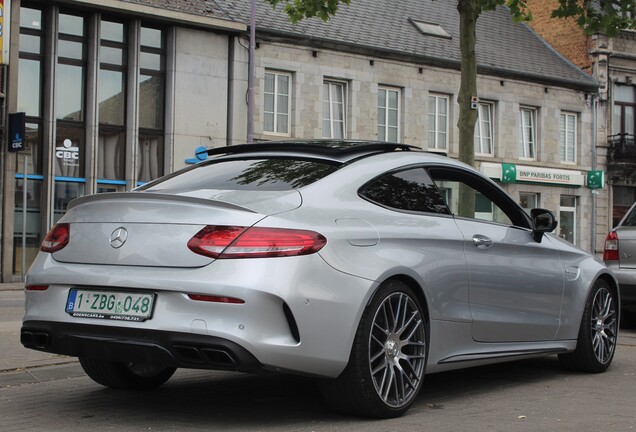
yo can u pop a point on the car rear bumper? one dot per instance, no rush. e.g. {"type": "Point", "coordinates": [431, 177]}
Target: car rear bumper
{"type": "Point", "coordinates": [129, 345]}
{"type": "Point", "coordinates": [288, 321]}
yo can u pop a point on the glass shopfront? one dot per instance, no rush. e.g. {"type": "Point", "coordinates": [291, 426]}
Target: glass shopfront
{"type": "Point", "coordinates": [93, 145]}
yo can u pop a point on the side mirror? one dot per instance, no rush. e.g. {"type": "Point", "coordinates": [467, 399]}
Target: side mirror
{"type": "Point", "coordinates": [543, 221]}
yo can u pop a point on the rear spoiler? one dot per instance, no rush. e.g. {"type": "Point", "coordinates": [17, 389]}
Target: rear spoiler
{"type": "Point", "coordinates": [152, 196]}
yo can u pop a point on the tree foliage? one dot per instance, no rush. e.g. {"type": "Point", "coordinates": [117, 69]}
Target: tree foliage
{"type": "Point", "coordinates": [608, 16]}
{"type": "Point", "coordinates": [299, 9]}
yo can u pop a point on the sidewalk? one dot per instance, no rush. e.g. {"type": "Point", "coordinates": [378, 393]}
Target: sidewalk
{"type": "Point", "coordinates": [19, 365]}
{"type": "Point", "coordinates": [14, 286]}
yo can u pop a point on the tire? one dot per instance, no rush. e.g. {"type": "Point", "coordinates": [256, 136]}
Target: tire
{"type": "Point", "coordinates": [124, 375]}
{"type": "Point", "coordinates": [388, 358]}
{"type": "Point", "coordinates": [598, 333]}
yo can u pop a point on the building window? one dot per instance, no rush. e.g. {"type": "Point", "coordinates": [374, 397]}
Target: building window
{"type": "Point", "coordinates": [622, 199]}
{"type": "Point", "coordinates": [430, 29]}
{"type": "Point", "coordinates": [567, 218]}
{"type": "Point", "coordinates": [438, 122]}
{"type": "Point", "coordinates": [71, 65]}
{"type": "Point", "coordinates": [70, 105]}
{"type": "Point", "coordinates": [484, 129]}
{"type": "Point", "coordinates": [277, 107]}
{"type": "Point", "coordinates": [624, 116]}
{"type": "Point", "coordinates": [150, 150]}
{"type": "Point", "coordinates": [334, 110]}
{"type": "Point", "coordinates": [111, 92]}
{"type": "Point", "coordinates": [27, 215]}
{"type": "Point", "coordinates": [388, 114]}
{"type": "Point", "coordinates": [70, 96]}
{"type": "Point", "coordinates": [30, 63]}
{"type": "Point", "coordinates": [567, 137]}
{"type": "Point", "coordinates": [528, 201]}
{"type": "Point", "coordinates": [33, 232]}
{"type": "Point", "coordinates": [30, 85]}
{"type": "Point", "coordinates": [527, 133]}
{"type": "Point", "coordinates": [65, 192]}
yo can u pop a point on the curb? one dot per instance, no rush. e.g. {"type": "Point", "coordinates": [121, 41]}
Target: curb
{"type": "Point", "coordinates": [39, 374]}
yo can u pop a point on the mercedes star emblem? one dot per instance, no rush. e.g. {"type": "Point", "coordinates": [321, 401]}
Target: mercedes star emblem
{"type": "Point", "coordinates": [118, 237]}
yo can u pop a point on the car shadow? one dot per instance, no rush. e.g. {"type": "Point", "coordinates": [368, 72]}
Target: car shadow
{"type": "Point", "coordinates": [232, 400]}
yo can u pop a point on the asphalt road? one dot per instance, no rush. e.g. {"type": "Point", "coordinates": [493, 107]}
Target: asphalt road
{"type": "Point", "coordinates": [531, 395]}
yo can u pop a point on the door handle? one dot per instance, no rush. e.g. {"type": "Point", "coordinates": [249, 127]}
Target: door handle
{"type": "Point", "coordinates": [481, 241]}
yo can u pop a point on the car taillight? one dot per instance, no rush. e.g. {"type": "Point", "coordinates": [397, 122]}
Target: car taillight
{"type": "Point", "coordinates": [57, 238]}
{"type": "Point", "coordinates": [224, 242]}
{"type": "Point", "coordinates": [610, 253]}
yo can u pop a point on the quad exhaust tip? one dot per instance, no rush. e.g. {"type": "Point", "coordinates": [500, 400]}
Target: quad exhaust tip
{"type": "Point", "coordinates": [205, 355]}
{"type": "Point", "coordinates": [35, 339]}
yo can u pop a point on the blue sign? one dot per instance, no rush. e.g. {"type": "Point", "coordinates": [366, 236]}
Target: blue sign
{"type": "Point", "coordinates": [16, 132]}
{"type": "Point", "coordinates": [200, 153]}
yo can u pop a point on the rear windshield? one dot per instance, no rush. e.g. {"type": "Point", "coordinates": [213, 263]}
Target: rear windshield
{"type": "Point", "coordinates": [277, 174]}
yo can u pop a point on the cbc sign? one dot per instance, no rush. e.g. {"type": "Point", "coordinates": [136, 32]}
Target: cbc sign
{"type": "Point", "coordinates": [68, 154]}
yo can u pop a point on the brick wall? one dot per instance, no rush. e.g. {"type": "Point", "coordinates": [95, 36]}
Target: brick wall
{"type": "Point", "coordinates": [562, 34]}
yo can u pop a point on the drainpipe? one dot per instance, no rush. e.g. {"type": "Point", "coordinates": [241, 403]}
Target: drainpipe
{"type": "Point", "coordinates": [229, 128]}
{"type": "Point", "coordinates": [595, 97]}
{"type": "Point", "coordinates": [594, 157]}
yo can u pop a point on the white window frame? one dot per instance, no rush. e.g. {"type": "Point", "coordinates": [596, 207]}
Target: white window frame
{"type": "Point", "coordinates": [481, 127]}
{"type": "Point", "coordinates": [534, 197]}
{"type": "Point", "coordinates": [624, 108]}
{"type": "Point", "coordinates": [569, 209]}
{"type": "Point", "coordinates": [528, 142]}
{"type": "Point", "coordinates": [567, 148]}
{"type": "Point", "coordinates": [329, 116]}
{"type": "Point", "coordinates": [277, 112]}
{"type": "Point", "coordinates": [383, 123]}
{"type": "Point", "coordinates": [433, 110]}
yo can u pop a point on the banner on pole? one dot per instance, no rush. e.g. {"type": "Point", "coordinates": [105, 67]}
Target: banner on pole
{"type": "Point", "coordinates": [16, 132]}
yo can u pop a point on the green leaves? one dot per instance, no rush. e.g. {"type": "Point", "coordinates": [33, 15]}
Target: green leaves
{"type": "Point", "coordinates": [608, 16]}
{"type": "Point", "coordinates": [299, 9]}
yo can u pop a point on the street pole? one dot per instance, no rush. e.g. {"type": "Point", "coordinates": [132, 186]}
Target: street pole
{"type": "Point", "coordinates": [250, 75]}
{"type": "Point", "coordinates": [24, 216]}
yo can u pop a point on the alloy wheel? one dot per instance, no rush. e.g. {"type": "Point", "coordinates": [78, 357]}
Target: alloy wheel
{"type": "Point", "coordinates": [397, 349]}
{"type": "Point", "coordinates": [604, 325]}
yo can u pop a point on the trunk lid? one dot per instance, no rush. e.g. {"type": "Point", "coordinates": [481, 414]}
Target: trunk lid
{"type": "Point", "coordinates": [150, 229]}
{"type": "Point", "coordinates": [626, 246]}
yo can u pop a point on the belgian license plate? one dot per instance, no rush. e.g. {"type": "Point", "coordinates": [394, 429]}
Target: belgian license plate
{"type": "Point", "coordinates": [114, 305]}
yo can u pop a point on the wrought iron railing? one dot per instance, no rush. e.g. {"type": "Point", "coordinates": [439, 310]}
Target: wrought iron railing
{"type": "Point", "coordinates": [622, 149]}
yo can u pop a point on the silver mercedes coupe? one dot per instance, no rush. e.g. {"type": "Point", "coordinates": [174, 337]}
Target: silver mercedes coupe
{"type": "Point", "coordinates": [366, 265]}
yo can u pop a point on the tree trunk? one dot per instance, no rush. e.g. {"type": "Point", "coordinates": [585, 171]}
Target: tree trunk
{"type": "Point", "coordinates": [467, 117]}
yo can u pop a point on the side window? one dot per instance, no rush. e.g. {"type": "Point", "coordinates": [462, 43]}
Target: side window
{"type": "Point", "coordinates": [410, 190]}
{"type": "Point", "coordinates": [470, 196]}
